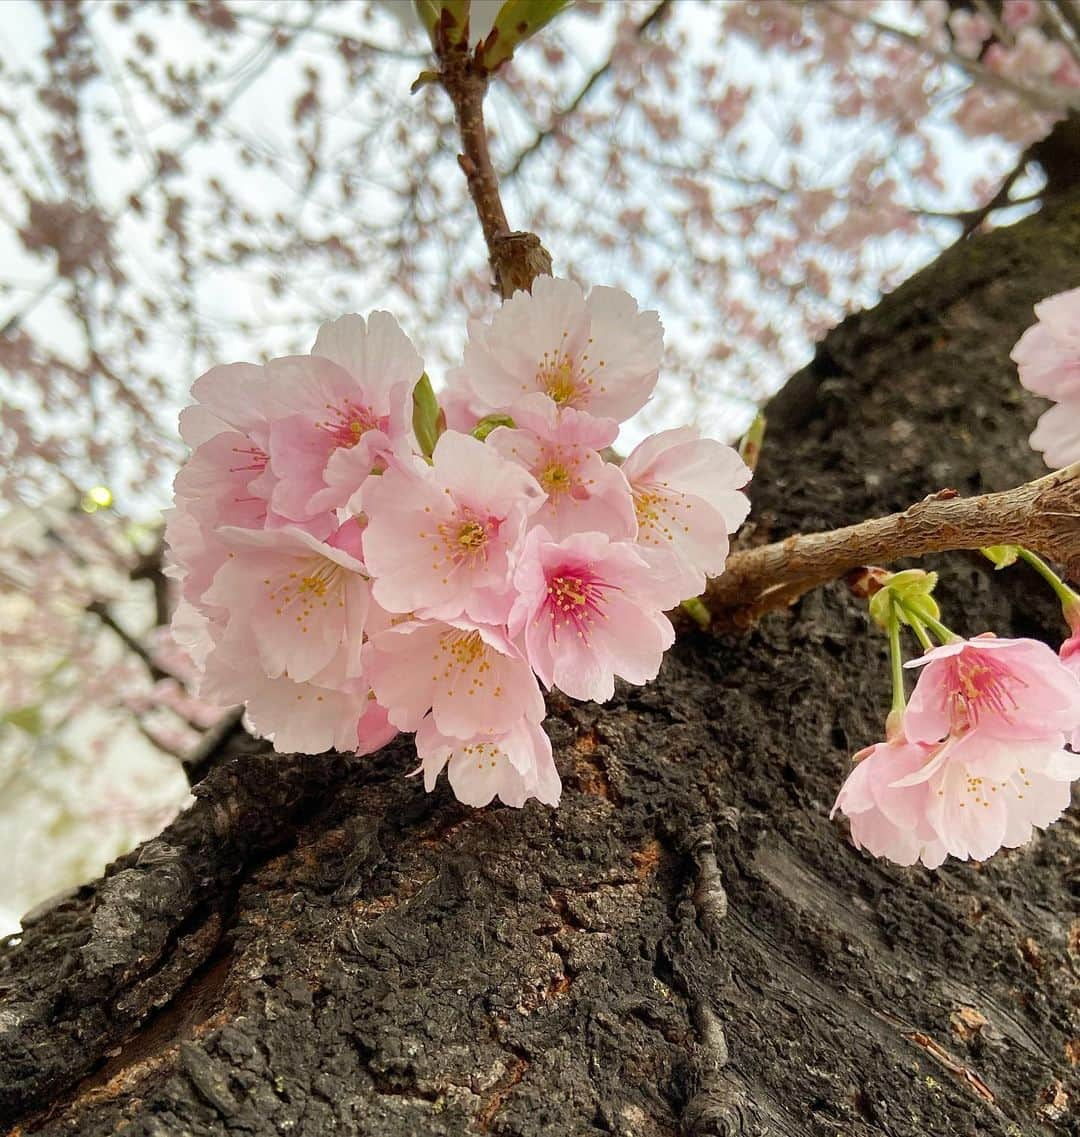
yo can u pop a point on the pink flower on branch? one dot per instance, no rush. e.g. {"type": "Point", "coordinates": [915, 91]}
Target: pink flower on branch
{"type": "Point", "coordinates": [1014, 689]}
{"type": "Point", "coordinates": [302, 600]}
{"type": "Point", "coordinates": [513, 766]}
{"type": "Point", "coordinates": [471, 678]}
{"type": "Point", "coordinates": [887, 819]}
{"type": "Point", "coordinates": [347, 408]}
{"type": "Point", "coordinates": [688, 499]}
{"type": "Point", "coordinates": [583, 491]}
{"type": "Point", "coordinates": [589, 609]}
{"type": "Point", "coordinates": [557, 347]}
{"type": "Point", "coordinates": [440, 538]}
{"type": "Point", "coordinates": [1047, 356]}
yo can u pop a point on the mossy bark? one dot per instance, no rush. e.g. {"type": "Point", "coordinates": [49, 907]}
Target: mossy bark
{"type": "Point", "coordinates": [688, 944]}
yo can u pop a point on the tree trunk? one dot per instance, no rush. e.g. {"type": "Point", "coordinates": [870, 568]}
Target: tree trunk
{"type": "Point", "coordinates": [687, 944]}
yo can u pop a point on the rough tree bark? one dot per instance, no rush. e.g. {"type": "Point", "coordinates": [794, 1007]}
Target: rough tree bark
{"type": "Point", "coordinates": [688, 944]}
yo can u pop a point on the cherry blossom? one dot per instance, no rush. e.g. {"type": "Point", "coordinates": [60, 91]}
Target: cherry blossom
{"type": "Point", "coordinates": [303, 600]}
{"type": "Point", "coordinates": [557, 347]}
{"type": "Point", "coordinates": [471, 678]}
{"type": "Point", "coordinates": [561, 451]}
{"type": "Point", "coordinates": [514, 766]}
{"type": "Point", "coordinates": [965, 797]}
{"type": "Point", "coordinates": [589, 609]}
{"type": "Point", "coordinates": [440, 537]}
{"type": "Point", "coordinates": [887, 819]}
{"type": "Point", "coordinates": [688, 501]}
{"type": "Point", "coordinates": [347, 406]}
{"type": "Point", "coordinates": [1013, 689]}
{"type": "Point", "coordinates": [987, 792]}
{"type": "Point", "coordinates": [1047, 356]}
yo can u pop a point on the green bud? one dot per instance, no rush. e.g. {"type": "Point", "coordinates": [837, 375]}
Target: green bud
{"type": "Point", "coordinates": [696, 610]}
{"type": "Point", "coordinates": [487, 424]}
{"type": "Point", "coordinates": [426, 416]}
{"type": "Point", "coordinates": [912, 590]}
{"type": "Point", "coordinates": [516, 22]}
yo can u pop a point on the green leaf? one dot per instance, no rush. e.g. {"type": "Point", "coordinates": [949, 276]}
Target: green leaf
{"type": "Point", "coordinates": [445, 21]}
{"type": "Point", "coordinates": [426, 416]}
{"type": "Point", "coordinates": [753, 440]}
{"type": "Point", "coordinates": [424, 79]}
{"type": "Point", "coordinates": [696, 610]}
{"type": "Point", "coordinates": [428, 13]}
{"type": "Point", "coordinates": [516, 21]}
{"type": "Point", "coordinates": [487, 424]}
{"type": "Point", "coordinates": [1001, 556]}
{"type": "Point", "coordinates": [28, 719]}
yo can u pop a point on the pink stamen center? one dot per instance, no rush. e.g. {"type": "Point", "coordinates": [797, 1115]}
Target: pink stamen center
{"type": "Point", "coordinates": [980, 684]}
{"type": "Point", "coordinates": [348, 423]}
{"type": "Point", "coordinates": [575, 600]}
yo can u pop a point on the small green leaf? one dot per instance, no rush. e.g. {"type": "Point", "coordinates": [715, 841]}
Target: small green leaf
{"type": "Point", "coordinates": [424, 79]}
{"type": "Point", "coordinates": [487, 424]}
{"type": "Point", "coordinates": [752, 441]}
{"type": "Point", "coordinates": [28, 719]}
{"type": "Point", "coordinates": [696, 610]}
{"type": "Point", "coordinates": [1001, 556]}
{"type": "Point", "coordinates": [516, 22]}
{"type": "Point", "coordinates": [445, 21]}
{"type": "Point", "coordinates": [427, 12]}
{"type": "Point", "coordinates": [426, 416]}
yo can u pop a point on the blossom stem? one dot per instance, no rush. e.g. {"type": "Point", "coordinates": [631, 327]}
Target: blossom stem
{"type": "Point", "coordinates": [920, 631]}
{"type": "Point", "coordinates": [1070, 599]}
{"type": "Point", "coordinates": [896, 662]}
{"type": "Point", "coordinates": [944, 634]}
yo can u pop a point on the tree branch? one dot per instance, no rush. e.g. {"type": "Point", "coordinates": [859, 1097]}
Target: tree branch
{"type": "Point", "coordinates": [583, 93]}
{"type": "Point", "coordinates": [1043, 515]}
{"type": "Point", "coordinates": [517, 258]}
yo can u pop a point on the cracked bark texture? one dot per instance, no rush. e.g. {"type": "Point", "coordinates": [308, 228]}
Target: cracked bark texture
{"type": "Point", "coordinates": [687, 945]}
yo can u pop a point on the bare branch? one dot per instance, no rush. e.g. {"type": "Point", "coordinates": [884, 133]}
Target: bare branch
{"type": "Point", "coordinates": [517, 258]}
{"type": "Point", "coordinates": [1043, 515]}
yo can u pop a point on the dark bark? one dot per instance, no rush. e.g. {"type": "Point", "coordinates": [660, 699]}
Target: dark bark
{"type": "Point", "coordinates": [688, 944]}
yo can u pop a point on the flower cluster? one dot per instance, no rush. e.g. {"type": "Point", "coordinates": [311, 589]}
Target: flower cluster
{"type": "Point", "coordinates": [347, 576]}
{"type": "Point", "coordinates": [976, 760]}
{"type": "Point", "coordinates": [1048, 358]}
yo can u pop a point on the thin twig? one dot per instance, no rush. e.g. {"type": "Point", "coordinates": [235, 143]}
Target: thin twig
{"type": "Point", "coordinates": [1043, 515]}
{"type": "Point", "coordinates": [517, 258]}
{"type": "Point", "coordinates": [583, 93]}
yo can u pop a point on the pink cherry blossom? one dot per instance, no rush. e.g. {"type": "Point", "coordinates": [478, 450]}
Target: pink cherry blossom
{"type": "Point", "coordinates": [514, 766]}
{"type": "Point", "coordinates": [303, 600]}
{"type": "Point", "coordinates": [890, 820]}
{"type": "Point", "coordinates": [304, 718]}
{"type": "Point", "coordinates": [688, 499]}
{"type": "Point", "coordinates": [583, 491]}
{"type": "Point", "coordinates": [589, 609]}
{"type": "Point", "coordinates": [1014, 689]}
{"type": "Point", "coordinates": [348, 406]}
{"type": "Point", "coordinates": [439, 538]}
{"type": "Point", "coordinates": [1047, 356]}
{"type": "Point", "coordinates": [471, 678]}
{"type": "Point", "coordinates": [986, 792]}
{"type": "Point", "coordinates": [558, 348]}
